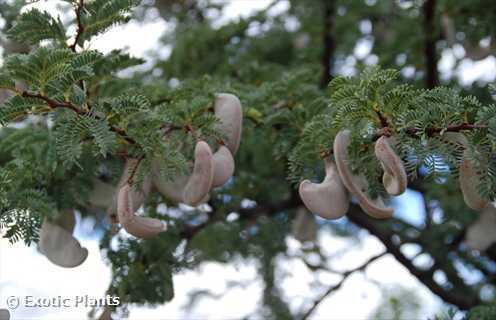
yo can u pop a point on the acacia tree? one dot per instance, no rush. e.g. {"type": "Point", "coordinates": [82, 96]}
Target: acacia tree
{"type": "Point", "coordinates": [70, 123]}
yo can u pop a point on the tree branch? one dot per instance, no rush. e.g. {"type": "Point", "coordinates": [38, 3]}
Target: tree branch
{"type": "Point", "coordinates": [335, 287]}
{"type": "Point", "coordinates": [463, 300]}
{"type": "Point", "coordinates": [429, 10]}
{"type": "Point", "coordinates": [328, 42]}
{"type": "Point", "coordinates": [80, 27]}
{"type": "Point", "coordinates": [67, 105]}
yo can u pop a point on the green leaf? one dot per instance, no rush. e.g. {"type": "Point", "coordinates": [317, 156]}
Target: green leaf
{"type": "Point", "coordinates": [34, 26]}
{"type": "Point", "coordinates": [18, 106]}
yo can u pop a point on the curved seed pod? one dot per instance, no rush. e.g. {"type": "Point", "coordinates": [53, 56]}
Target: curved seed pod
{"type": "Point", "coordinates": [59, 245]}
{"type": "Point", "coordinates": [328, 199]}
{"type": "Point", "coordinates": [101, 195]}
{"type": "Point", "coordinates": [304, 226]}
{"type": "Point", "coordinates": [137, 196]}
{"type": "Point", "coordinates": [200, 182]}
{"type": "Point", "coordinates": [171, 189]}
{"type": "Point", "coordinates": [4, 314]}
{"type": "Point", "coordinates": [106, 314]}
{"type": "Point", "coordinates": [228, 109]}
{"type": "Point", "coordinates": [469, 177]}
{"type": "Point", "coordinates": [357, 185]}
{"type": "Point", "coordinates": [140, 227]}
{"type": "Point", "coordinates": [480, 235]}
{"type": "Point", "coordinates": [394, 178]}
{"type": "Point", "coordinates": [223, 166]}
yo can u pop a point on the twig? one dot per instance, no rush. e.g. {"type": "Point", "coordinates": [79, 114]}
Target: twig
{"type": "Point", "coordinates": [429, 9]}
{"type": "Point", "coordinates": [328, 42]}
{"type": "Point", "coordinates": [135, 169]}
{"type": "Point", "coordinates": [335, 287]}
{"type": "Point", "coordinates": [67, 105]}
{"type": "Point", "coordinates": [80, 27]}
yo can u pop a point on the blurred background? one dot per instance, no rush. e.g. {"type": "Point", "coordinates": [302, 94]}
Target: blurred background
{"type": "Point", "coordinates": [270, 258]}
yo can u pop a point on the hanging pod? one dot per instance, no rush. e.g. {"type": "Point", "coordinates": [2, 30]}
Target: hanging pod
{"type": "Point", "coordinates": [137, 197]}
{"type": "Point", "coordinates": [101, 195]}
{"type": "Point", "coordinates": [4, 314]}
{"type": "Point", "coordinates": [141, 227]}
{"type": "Point", "coordinates": [227, 108]}
{"type": "Point", "coordinates": [200, 181]}
{"type": "Point", "coordinates": [394, 177]}
{"type": "Point", "coordinates": [58, 244]}
{"type": "Point", "coordinates": [357, 184]}
{"type": "Point", "coordinates": [223, 166]}
{"type": "Point", "coordinates": [469, 178]}
{"type": "Point", "coordinates": [170, 189]}
{"type": "Point", "coordinates": [304, 226]}
{"type": "Point", "coordinates": [328, 199]}
{"type": "Point", "coordinates": [480, 235]}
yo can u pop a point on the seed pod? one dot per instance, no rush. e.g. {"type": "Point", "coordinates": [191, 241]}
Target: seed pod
{"type": "Point", "coordinates": [328, 199]}
{"type": "Point", "coordinates": [4, 314]}
{"type": "Point", "coordinates": [170, 189]}
{"type": "Point", "coordinates": [480, 235]}
{"type": "Point", "coordinates": [106, 314]}
{"type": "Point", "coordinates": [304, 226]}
{"type": "Point", "coordinates": [223, 166]}
{"type": "Point", "coordinates": [200, 182]}
{"type": "Point", "coordinates": [101, 195]}
{"type": "Point", "coordinates": [173, 190]}
{"type": "Point", "coordinates": [228, 109]}
{"type": "Point", "coordinates": [357, 184]}
{"type": "Point", "coordinates": [140, 227]}
{"type": "Point", "coordinates": [137, 196]}
{"type": "Point", "coordinates": [59, 245]}
{"type": "Point", "coordinates": [394, 177]}
{"type": "Point", "coordinates": [469, 178]}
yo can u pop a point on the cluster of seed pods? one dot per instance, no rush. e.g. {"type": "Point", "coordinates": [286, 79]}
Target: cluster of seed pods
{"type": "Point", "coordinates": [330, 199]}
{"type": "Point", "coordinates": [209, 170]}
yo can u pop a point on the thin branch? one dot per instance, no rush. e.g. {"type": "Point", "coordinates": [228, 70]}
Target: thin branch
{"type": "Point", "coordinates": [335, 287]}
{"type": "Point", "coordinates": [328, 42]}
{"type": "Point", "coordinates": [80, 27]}
{"type": "Point", "coordinates": [429, 10]}
{"type": "Point", "coordinates": [463, 299]}
{"type": "Point", "coordinates": [67, 105]}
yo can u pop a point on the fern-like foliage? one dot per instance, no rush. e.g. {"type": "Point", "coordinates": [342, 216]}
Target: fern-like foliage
{"type": "Point", "coordinates": [34, 26]}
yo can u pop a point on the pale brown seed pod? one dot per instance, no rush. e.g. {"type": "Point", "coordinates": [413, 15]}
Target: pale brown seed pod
{"type": "Point", "coordinates": [328, 199]}
{"type": "Point", "coordinates": [223, 166]}
{"type": "Point", "coordinates": [106, 314]}
{"type": "Point", "coordinates": [228, 109]}
{"type": "Point", "coordinates": [200, 181]}
{"type": "Point", "coordinates": [4, 314]}
{"type": "Point", "coordinates": [173, 190]}
{"type": "Point", "coordinates": [141, 227]}
{"type": "Point", "coordinates": [304, 227]}
{"type": "Point", "coordinates": [480, 235]}
{"type": "Point", "coordinates": [469, 178]}
{"type": "Point", "coordinates": [58, 244]}
{"type": "Point", "coordinates": [394, 178]}
{"type": "Point", "coordinates": [101, 195]}
{"type": "Point", "coordinates": [137, 196]}
{"type": "Point", "coordinates": [357, 184]}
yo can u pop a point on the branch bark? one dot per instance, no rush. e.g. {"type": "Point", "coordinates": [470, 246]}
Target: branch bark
{"type": "Point", "coordinates": [328, 42]}
{"type": "Point", "coordinates": [463, 300]}
{"type": "Point", "coordinates": [429, 11]}
{"type": "Point", "coordinates": [335, 287]}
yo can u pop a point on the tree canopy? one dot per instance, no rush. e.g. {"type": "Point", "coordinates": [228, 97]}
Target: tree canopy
{"type": "Point", "coordinates": [71, 117]}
